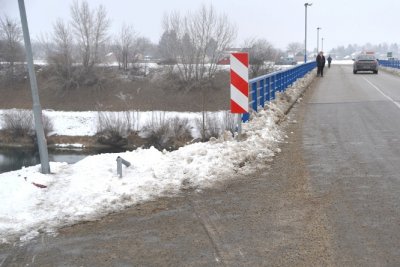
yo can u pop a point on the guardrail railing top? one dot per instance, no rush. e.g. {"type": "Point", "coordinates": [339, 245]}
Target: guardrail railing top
{"type": "Point", "coordinates": [264, 87]}
{"type": "Point", "coordinates": [389, 63]}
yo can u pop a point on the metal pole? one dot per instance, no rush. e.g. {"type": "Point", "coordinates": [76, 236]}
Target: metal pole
{"type": "Point", "coordinates": [322, 44]}
{"type": "Point", "coordinates": [119, 167]}
{"type": "Point", "coordinates": [318, 39]}
{"type": "Point", "coordinates": [305, 34]}
{"type": "Point", "coordinates": [121, 161]}
{"type": "Point", "coordinates": [239, 117]}
{"type": "Point", "coordinates": [37, 109]}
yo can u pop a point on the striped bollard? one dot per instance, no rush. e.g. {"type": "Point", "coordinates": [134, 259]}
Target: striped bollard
{"type": "Point", "coordinates": [239, 85]}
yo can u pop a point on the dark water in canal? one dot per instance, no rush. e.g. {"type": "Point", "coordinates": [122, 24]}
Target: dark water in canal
{"type": "Point", "coordinates": [16, 158]}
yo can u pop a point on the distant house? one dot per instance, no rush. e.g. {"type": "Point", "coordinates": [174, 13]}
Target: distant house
{"type": "Point", "coordinates": [225, 58]}
{"type": "Point", "coordinates": [224, 61]}
{"type": "Point", "coordinates": [110, 59]}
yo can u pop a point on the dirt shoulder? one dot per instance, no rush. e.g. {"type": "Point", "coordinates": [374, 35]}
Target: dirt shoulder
{"type": "Point", "coordinates": [267, 218]}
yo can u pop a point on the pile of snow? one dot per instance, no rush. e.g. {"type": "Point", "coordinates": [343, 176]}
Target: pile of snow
{"type": "Point", "coordinates": [32, 202]}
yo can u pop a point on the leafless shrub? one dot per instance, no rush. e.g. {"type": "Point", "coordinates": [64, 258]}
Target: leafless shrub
{"type": "Point", "coordinates": [209, 127]}
{"type": "Point", "coordinates": [113, 128]}
{"type": "Point", "coordinates": [164, 133]}
{"type": "Point", "coordinates": [20, 123]}
{"type": "Point", "coordinates": [229, 122]}
{"type": "Point", "coordinates": [213, 125]}
{"type": "Point", "coordinates": [180, 128]}
{"type": "Point", "coordinates": [157, 130]}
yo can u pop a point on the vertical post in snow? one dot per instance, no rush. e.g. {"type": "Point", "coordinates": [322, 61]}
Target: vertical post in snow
{"type": "Point", "coordinates": [37, 109]}
{"type": "Point", "coordinates": [239, 121]}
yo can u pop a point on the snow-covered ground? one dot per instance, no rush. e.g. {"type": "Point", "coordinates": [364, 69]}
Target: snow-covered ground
{"type": "Point", "coordinates": [32, 202]}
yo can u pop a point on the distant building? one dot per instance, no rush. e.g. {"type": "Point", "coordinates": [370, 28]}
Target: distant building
{"type": "Point", "coordinates": [225, 58]}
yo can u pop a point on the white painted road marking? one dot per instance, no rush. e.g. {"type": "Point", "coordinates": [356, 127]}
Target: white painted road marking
{"type": "Point", "coordinates": [380, 91]}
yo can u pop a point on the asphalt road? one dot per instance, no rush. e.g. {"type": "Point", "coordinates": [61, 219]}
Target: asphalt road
{"type": "Point", "coordinates": [351, 140]}
{"type": "Point", "coordinates": [329, 198]}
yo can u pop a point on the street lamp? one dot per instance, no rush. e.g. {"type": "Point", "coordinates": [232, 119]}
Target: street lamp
{"type": "Point", "coordinates": [305, 34]}
{"type": "Point", "coordinates": [322, 44]}
{"type": "Point", "coordinates": [37, 109]}
{"type": "Point", "coordinates": [318, 28]}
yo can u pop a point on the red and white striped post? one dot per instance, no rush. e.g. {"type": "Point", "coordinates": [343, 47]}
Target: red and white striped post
{"type": "Point", "coordinates": [239, 85]}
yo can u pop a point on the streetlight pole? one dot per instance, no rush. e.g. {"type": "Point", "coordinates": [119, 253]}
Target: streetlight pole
{"type": "Point", "coordinates": [37, 109]}
{"type": "Point", "coordinates": [318, 28]}
{"type": "Point", "coordinates": [322, 44]}
{"type": "Point", "coordinates": [305, 34]}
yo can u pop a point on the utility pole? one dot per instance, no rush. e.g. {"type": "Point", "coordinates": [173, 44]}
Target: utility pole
{"type": "Point", "coordinates": [37, 109]}
{"type": "Point", "coordinates": [305, 34]}
{"type": "Point", "coordinates": [318, 28]}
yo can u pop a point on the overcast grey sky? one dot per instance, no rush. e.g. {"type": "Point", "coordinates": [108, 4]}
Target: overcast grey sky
{"type": "Point", "coordinates": [280, 22]}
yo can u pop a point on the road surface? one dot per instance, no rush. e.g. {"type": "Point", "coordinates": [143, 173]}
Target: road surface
{"type": "Point", "coordinates": [351, 140]}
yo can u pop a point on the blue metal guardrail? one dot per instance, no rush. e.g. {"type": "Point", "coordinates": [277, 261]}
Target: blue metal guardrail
{"type": "Point", "coordinates": [390, 63]}
{"type": "Point", "coordinates": [263, 88]}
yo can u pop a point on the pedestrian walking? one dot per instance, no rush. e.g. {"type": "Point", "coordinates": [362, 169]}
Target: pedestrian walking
{"type": "Point", "coordinates": [329, 61]}
{"type": "Point", "coordinates": [320, 64]}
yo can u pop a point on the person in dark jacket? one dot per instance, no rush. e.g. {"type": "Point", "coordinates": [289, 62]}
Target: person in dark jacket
{"type": "Point", "coordinates": [320, 64]}
{"type": "Point", "coordinates": [329, 61]}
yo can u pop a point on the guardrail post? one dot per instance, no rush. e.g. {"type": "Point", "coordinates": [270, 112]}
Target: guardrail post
{"type": "Point", "coordinates": [285, 82]}
{"type": "Point", "coordinates": [262, 93]}
{"type": "Point", "coordinates": [273, 81]}
{"type": "Point", "coordinates": [278, 82]}
{"type": "Point", "coordinates": [254, 96]}
{"type": "Point", "coordinates": [121, 161]}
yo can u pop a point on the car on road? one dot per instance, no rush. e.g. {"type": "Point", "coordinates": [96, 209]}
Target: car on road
{"type": "Point", "coordinates": [365, 62]}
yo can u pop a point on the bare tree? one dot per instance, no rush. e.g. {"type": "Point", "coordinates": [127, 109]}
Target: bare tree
{"type": "Point", "coordinates": [11, 35]}
{"type": "Point", "coordinates": [260, 53]}
{"type": "Point", "coordinates": [59, 54]}
{"type": "Point", "coordinates": [90, 28]}
{"type": "Point", "coordinates": [142, 45]}
{"type": "Point", "coordinates": [124, 45]}
{"type": "Point", "coordinates": [168, 44]}
{"type": "Point", "coordinates": [200, 39]}
{"type": "Point", "coordinates": [295, 48]}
